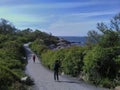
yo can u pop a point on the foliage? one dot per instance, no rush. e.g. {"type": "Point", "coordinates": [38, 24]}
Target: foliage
{"type": "Point", "coordinates": [102, 62]}
{"type": "Point", "coordinates": [6, 27]}
{"type": "Point", "coordinates": [71, 59]}
{"type": "Point", "coordinates": [99, 62]}
{"type": "Point", "coordinates": [11, 51]}
{"type": "Point", "coordinates": [93, 37]}
{"type": "Point", "coordinates": [38, 46]}
{"type": "Point", "coordinates": [110, 39]}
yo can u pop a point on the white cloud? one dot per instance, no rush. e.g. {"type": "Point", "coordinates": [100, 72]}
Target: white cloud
{"type": "Point", "coordinates": [63, 27]}
{"type": "Point", "coordinates": [56, 4]}
{"type": "Point", "coordinates": [89, 14]}
{"type": "Point", "coordinates": [59, 5]}
{"type": "Point", "coordinates": [22, 18]}
{"type": "Point", "coordinates": [51, 5]}
{"type": "Point", "coordinates": [71, 29]}
{"type": "Point", "coordinates": [75, 24]}
{"type": "Point", "coordinates": [12, 15]}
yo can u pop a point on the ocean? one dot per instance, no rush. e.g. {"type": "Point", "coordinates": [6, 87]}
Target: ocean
{"type": "Point", "coordinates": [75, 39]}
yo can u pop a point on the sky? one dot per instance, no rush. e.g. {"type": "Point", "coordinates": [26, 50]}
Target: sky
{"type": "Point", "coordinates": [59, 17]}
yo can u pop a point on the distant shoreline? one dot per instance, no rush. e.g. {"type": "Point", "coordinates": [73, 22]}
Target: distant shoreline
{"type": "Point", "coordinates": [78, 40]}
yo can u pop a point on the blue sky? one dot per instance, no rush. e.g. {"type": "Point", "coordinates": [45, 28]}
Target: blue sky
{"type": "Point", "coordinates": [59, 17]}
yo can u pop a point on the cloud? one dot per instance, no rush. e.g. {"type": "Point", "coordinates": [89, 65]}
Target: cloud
{"type": "Point", "coordinates": [22, 18]}
{"type": "Point", "coordinates": [85, 17]}
{"type": "Point", "coordinates": [71, 29]}
{"type": "Point", "coordinates": [90, 14]}
{"type": "Point", "coordinates": [50, 5]}
{"type": "Point", "coordinates": [74, 26]}
{"type": "Point", "coordinates": [14, 15]}
{"type": "Point", "coordinates": [59, 18]}
{"type": "Point", "coordinates": [59, 5]}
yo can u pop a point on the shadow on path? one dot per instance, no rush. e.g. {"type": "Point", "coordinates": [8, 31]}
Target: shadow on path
{"type": "Point", "coordinates": [77, 82]}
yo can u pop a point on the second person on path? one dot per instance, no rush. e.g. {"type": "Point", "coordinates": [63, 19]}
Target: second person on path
{"type": "Point", "coordinates": [34, 58]}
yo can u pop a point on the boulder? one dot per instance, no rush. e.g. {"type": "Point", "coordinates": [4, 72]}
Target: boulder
{"type": "Point", "coordinates": [27, 80]}
{"type": "Point", "coordinates": [24, 79]}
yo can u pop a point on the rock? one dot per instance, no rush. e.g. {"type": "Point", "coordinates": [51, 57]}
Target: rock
{"type": "Point", "coordinates": [52, 46]}
{"type": "Point", "coordinates": [27, 80]}
{"type": "Point", "coordinates": [24, 58]}
{"type": "Point", "coordinates": [62, 73]}
{"type": "Point", "coordinates": [24, 78]}
{"type": "Point", "coordinates": [117, 88]}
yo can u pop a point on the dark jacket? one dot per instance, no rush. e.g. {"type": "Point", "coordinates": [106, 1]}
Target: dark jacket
{"type": "Point", "coordinates": [56, 66]}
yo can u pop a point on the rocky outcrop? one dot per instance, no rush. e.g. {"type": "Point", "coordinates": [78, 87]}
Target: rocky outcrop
{"type": "Point", "coordinates": [63, 44]}
{"type": "Point", "coordinates": [60, 45]}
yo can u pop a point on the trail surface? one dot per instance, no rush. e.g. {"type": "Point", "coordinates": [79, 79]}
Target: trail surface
{"type": "Point", "coordinates": [43, 78]}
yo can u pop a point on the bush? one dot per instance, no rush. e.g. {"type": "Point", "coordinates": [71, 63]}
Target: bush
{"type": "Point", "coordinates": [106, 83]}
{"type": "Point", "coordinates": [11, 65]}
{"type": "Point", "coordinates": [38, 46]}
{"type": "Point", "coordinates": [71, 59]}
{"type": "Point", "coordinates": [101, 63]}
{"type": "Point", "coordinates": [7, 77]}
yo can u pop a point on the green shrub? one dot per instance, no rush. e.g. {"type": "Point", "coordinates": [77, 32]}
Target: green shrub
{"type": "Point", "coordinates": [101, 63]}
{"type": "Point", "coordinates": [106, 83]}
{"type": "Point", "coordinates": [38, 46]}
{"type": "Point", "coordinates": [71, 59]}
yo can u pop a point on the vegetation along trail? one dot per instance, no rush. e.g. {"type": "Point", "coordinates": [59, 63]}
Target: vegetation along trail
{"type": "Point", "coordinates": [43, 78]}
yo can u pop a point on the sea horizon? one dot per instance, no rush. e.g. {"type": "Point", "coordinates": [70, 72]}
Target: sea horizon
{"type": "Point", "coordinates": [80, 40]}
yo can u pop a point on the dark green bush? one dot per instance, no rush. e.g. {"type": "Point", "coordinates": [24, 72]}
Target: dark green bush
{"type": "Point", "coordinates": [38, 46]}
{"type": "Point", "coordinates": [101, 63]}
{"type": "Point", "coordinates": [71, 59]}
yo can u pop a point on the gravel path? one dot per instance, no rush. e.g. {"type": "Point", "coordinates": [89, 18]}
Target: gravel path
{"type": "Point", "coordinates": [44, 80]}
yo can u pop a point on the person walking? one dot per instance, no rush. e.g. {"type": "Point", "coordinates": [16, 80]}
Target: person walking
{"type": "Point", "coordinates": [56, 70]}
{"type": "Point", "coordinates": [33, 58]}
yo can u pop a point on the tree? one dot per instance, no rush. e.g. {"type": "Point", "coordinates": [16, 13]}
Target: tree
{"type": "Point", "coordinates": [6, 27]}
{"type": "Point", "coordinates": [102, 62]}
{"type": "Point", "coordinates": [115, 23]}
{"type": "Point", "coordinates": [110, 39]}
{"type": "Point", "coordinates": [93, 36]}
{"type": "Point", "coordinates": [102, 27]}
{"type": "Point", "coordinates": [109, 34]}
